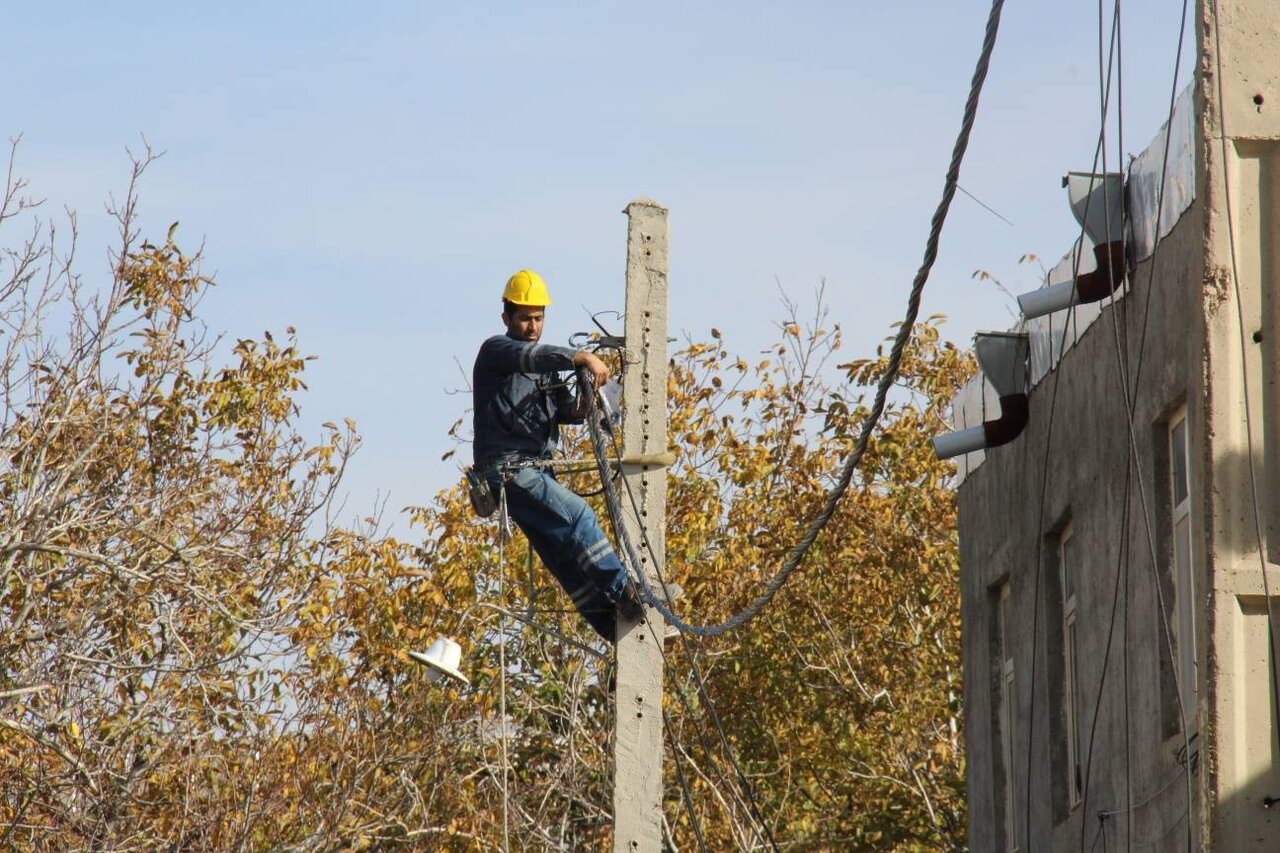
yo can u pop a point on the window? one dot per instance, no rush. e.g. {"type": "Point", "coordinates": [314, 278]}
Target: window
{"type": "Point", "coordinates": [1069, 574]}
{"type": "Point", "coordinates": [1183, 573]}
{"type": "Point", "coordinates": [1008, 716]}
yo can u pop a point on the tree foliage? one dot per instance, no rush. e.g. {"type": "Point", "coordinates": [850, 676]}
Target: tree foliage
{"type": "Point", "coordinates": [194, 657]}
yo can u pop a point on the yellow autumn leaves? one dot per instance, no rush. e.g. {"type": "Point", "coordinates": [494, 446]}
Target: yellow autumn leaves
{"type": "Point", "coordinates": [191, 658]}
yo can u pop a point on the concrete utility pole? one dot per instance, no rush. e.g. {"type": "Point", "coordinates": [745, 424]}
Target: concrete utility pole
{"type": "Point", "coordinates": [637, 774]}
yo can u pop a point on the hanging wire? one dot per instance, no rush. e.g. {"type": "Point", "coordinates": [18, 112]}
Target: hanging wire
{"type": "Point", "coordinates": [753, 805]}
{"type": "Point", "coordinates": [1124, 224]}
{"type": "Point", "coordinates": [1128, 394]}
{"type": "Point", "coordinates": [1119, 591]}
{"type": "Point", "coordinates": [630, 559]}
{"type": "Point", "coordinates": [1099, 835]}
{"type": "Point", "coordinates": [1068, 326]}
{"type": "Point", "coordinates": [1173, 780]}
{"type": "Point", "coordinates": [894, 364]}
{"type": "Point", "coordinates": [503, 535]}
{"type": "Point", "coordinates": [684, 783]}
{"type": "Point", "coordinates": [1157, 841]}
{"type": "Point", "coordinates": [1130, 391]}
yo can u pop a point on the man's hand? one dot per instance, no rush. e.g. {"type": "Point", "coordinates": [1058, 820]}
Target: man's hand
{"type": "Point", "coordinates": [598, 369]}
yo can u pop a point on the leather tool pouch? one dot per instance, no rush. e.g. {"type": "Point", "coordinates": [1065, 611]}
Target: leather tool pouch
{"type": "Point", "coordinates": [482, 499]}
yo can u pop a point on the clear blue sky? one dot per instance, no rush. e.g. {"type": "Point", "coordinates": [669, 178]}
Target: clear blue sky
{"type": "Point", "coordinates": [372, 173]}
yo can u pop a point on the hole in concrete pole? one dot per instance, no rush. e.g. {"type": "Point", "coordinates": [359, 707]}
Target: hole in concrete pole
{"type": "Point", "coordinates": [1257, 99]}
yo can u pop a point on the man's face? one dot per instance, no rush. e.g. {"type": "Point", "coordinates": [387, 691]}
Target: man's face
{"type": "Point", "coordinates": [525, 322]}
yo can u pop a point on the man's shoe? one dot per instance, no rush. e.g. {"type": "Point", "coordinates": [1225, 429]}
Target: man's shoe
{"type": "Point", "coordinates": [631, 605]}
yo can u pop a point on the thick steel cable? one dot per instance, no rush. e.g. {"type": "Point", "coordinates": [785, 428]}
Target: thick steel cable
{"type": "Point", "coordinates": [798, 552]}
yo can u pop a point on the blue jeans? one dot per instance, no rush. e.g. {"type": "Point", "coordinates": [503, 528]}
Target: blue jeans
{"type": "Point", "coordinates": [568, 537]}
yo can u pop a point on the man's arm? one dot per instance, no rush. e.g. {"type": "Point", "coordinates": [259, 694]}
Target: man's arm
{"type": "Point", "coordinates": [574, 410]}
{"type": "Point", "coordinates": [598, 369]}
{"type": "Point", "coordinates": [501, 354]}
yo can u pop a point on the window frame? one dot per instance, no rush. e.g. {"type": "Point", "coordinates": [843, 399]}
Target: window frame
{"type": "Point", "coordinates": [1008, 721]}
{"type": "Point", "coordinates": [1067, 569]}
{"type": "Point", "coordinates": [1183, 564]}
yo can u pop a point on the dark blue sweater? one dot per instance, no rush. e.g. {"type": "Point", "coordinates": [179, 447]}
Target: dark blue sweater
{"type": "Point", "coordinates": [519, 400]}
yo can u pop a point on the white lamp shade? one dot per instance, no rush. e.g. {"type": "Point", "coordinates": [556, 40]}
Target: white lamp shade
{"type": "Point", "coordinates": [1097, 202]}
{"type": "Point", "coordinates": [443, 658]}
{"type": "Point", "coordinates": [1003, 359]}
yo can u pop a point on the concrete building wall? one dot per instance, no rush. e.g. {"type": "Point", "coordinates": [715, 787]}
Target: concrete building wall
{"type": "Point", "coordinates": [1174, 658]}
{"type": "Point", "coordinates": [1006, 537]}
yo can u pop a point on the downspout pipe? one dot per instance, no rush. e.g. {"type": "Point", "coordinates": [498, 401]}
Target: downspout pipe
{"type": "Point", "coordinates": [1014, 413]}
{"type": "Point", "coordinates": [1004, 358]}
{"type": "Point", "coordinates": [1098, 203]}
{"type": "Point", "coordinates": [1088, 287]}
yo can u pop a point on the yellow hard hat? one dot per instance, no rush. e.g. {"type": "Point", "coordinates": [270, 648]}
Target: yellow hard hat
{"type": "Point", "coordinates": [526, 288]}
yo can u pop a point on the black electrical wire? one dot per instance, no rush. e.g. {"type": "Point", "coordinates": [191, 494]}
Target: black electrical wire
{"type": "Point", "coordinates": [594, 493]}
{"type": "Point", "coordinates": [1123, 571]}
{"type": "Point", "coordinates": [1068, 325]}
{"type": "Point", "coordinates": [594, 419]}
{"type": "Point", "coordinates": [749, 789]}
{"type": "Point", "coordinates": [1122, 565]}
{"type": "Point", "coordinates": [762, 828]}
{"type": "Point", "coordinates": [1146, 517]}
{"type": "Point", "coordinates": [1130, 390]}
{"type": "Point", "coordinates": [1039, 572]}
{"type": "Point", "coordinates": [743, 780]}
{"type": "Point", "coordinates": [628, 555]}
{"type": "Point", "coordinates": [1102, 822]}
{"type": "Point", "coordinates": [684, 783]}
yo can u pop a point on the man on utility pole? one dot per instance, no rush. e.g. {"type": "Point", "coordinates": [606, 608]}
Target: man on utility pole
{"type": "Point", "coordinates": [520, 400]}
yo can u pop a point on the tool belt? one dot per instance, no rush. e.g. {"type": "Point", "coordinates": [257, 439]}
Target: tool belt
{"type": "Point", "coordinates": [483, 501]}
